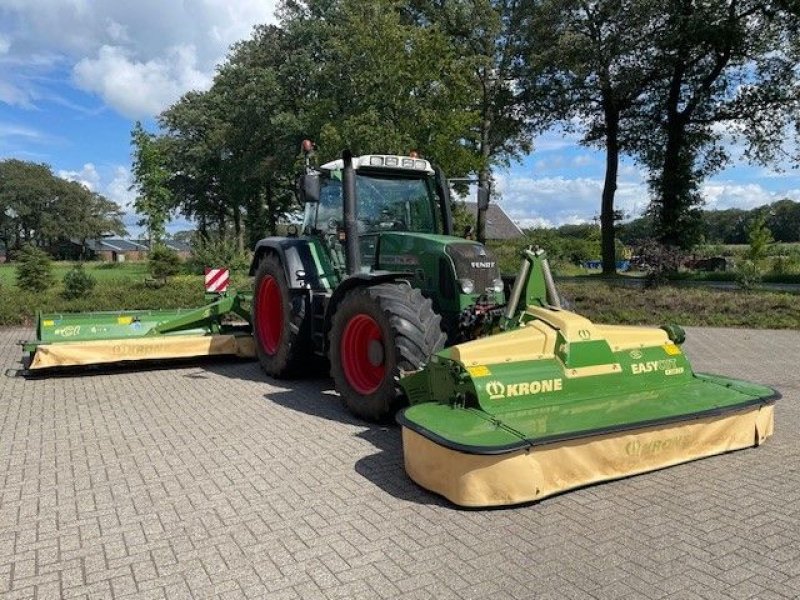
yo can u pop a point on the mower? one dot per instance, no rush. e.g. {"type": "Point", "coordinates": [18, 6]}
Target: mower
{"type": "Point", "coordinates": [103, 338]}
{"type": "Point", "coordinates": [554, 402]}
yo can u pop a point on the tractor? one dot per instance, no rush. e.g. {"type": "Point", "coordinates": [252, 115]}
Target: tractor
{"type": "Point", "coordinates": [374, 279]}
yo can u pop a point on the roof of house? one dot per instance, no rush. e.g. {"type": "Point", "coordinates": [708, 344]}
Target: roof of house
{"type": "Point", "coordinates": [115, 245]}
{"type": "Point", "coordinates": [179, 245]}
{"type": "Point", "coordinates": [499, 225]}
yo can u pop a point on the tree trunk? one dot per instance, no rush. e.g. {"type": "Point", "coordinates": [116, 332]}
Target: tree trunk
{"type": "Point", "coordinates": [607, 236]}
{"type": "Point", "coordinates": [671, 185]}
{"type": "Point", "coordinates": [270, 200]}
{"type": "Point", "coordinates": [237, 227]}
{"type": "Point", "coordinates": [221, 224]}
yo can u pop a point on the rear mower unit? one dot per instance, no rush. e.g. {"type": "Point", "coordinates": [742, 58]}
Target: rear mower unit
{"type": "Point", "coordinates": [96, 338]}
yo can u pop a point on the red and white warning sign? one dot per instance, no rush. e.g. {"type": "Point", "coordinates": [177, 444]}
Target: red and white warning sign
{"type": "Point", "coordinates": [217, 280]}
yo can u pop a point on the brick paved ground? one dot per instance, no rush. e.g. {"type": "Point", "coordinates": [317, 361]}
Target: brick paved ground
{"type": "Point", "coordinates": [211, 480]}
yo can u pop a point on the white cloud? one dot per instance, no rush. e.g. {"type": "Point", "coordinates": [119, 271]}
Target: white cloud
{"type": "Point", "coordinates": [137, 88]}
{"type": "Point", "coordinates": [118, 189]}
{"type": "Point", "coordinates": [555, 201]}
{"type": "Point", "coordinates": [88, 176]}
{"type": "Point", "coordinates": [561, 200]}
{"type": "Point", "coordinates": [11, 130]}
{"type": "Point", "coordinates": [728, 194]}
{"type": "Point", "coordinates": [137, 56]}
{"type": "Point", "coordinates": [582, 160]}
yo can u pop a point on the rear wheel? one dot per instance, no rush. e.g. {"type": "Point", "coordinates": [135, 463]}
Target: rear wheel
{"type": "Point", "coordinates": [277, 320]}
{"type": "Point", "coordinates": [376, 333]}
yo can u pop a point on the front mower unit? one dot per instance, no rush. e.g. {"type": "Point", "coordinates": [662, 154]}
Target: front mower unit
{"type": "Point", "coordinates": [95, 338]}
{"type": "Point", "coordinates": [558, 402]}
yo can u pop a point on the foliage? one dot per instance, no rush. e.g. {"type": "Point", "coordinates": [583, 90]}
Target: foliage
{"type": "Point", "coordinates": [34, 269]}
{"type": "Point", "coordinates": [760, 238]}
{"type": "Point", "coordinates": [463, 219]}
{"type": "Point", "coordinates": [731, 63]}
{"type": "Point", "coordinates": [77, 282]}
{"type": "Point", "coordinates": [163, 262]}
{"type": "Point", "coordinates": [729, 226]}
{"type": "Point", "coordinates": [151, 178]}
{"type": "Point", "coordinates": [658, 261]}
{"type": "Point", "coordinates": [589, 63]}
{"type": "Point", "coordinates": [216, 252]}
{"type": "Point", "coordinates": [38, 207]}
{"type": "Point", "coordinates": [748, 274]}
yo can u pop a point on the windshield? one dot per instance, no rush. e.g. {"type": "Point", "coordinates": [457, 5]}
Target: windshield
{"type": "Point", "coordinates": [385, 203]}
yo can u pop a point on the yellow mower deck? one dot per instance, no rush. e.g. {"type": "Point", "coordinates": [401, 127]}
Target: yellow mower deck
{"type": "Point", "coordinates": [101, 338]}
{"type": "Point", "coordinates": [561, 403]}
{"type": "Point", "coordinates": [163, 347]}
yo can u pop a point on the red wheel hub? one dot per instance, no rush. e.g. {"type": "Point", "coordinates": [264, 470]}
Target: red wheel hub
{"type": "Point", "coordinates": [362, 353]}
{"type": "Point", "coordinates": [270, 315]}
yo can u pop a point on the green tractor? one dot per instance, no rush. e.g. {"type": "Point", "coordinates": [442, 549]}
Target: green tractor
{"type": "Point", "coordinates": [374, 279]}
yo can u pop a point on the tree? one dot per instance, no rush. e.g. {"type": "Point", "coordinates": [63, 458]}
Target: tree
{"type": "Point", "coordinates": [34, 270]}
{"type": "Point", "coordinates": [730, 62]}
{"type": "Point", "coordinates": [39, 208]}
{"type": "Point", "coordinates": [590, 62]}
{"type": "Point", "coordinates": [760, 238]}
{"type": "Point", "coordinates": [487, 35]}
{"type": "Point", "coordinates": [154, 198]}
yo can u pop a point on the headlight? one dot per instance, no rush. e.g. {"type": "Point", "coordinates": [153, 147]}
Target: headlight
{"type": "Point", "coordinates": [376, 161]}
{"type": "Point", "coordinates": [497, 285]}
{"type": "Point", "coordinates": [408, 163]}
{"type": "Point", "coordinates": [467, 285]}
{"type": "Point", "coordinates": [392, 161]}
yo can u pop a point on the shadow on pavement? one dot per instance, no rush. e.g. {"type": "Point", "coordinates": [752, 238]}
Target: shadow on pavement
{"type": "Point", "coordinates": [384, 468]}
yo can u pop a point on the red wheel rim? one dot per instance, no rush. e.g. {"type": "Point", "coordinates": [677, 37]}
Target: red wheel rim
{"type": "Point", "coordinates": [270, 314]}
{"type": "Point", "coordinates": [362, 352]}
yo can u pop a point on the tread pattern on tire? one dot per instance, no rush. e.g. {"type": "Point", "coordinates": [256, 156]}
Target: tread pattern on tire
{"type": "Point", "coordinates": [414, 330]}
{"type": "Point", "coordinates": [294, 347]}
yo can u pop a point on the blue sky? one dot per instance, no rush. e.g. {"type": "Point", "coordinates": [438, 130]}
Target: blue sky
{"type": "Point", "coordinates": [76, 74]}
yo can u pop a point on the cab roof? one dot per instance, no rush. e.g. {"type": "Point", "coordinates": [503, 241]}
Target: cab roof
{"type": "Point", "coordinates": [382, 161]}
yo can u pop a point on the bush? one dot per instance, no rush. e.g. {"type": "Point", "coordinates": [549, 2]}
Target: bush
{"type": "Point", "coordinates": [217, 254]}
{"type": "Point", "coordinates": [659, 262]}
{"type": "Point", "coordinates": [34, 269]}
{"type": "Point", "coordinates": [748, 274]}
{"type": "Point", "coordinates": [163, 263]}
{"type": "Point", "coordinates": [77, 282]}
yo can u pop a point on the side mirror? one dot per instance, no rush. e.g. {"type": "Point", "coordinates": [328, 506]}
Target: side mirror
{"type": "Point", "coordinates": [310, 187]}
{"type": "Point", "coordinates": [483, 198]}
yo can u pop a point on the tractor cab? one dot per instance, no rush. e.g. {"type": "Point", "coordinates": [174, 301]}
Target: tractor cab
{"type": "Point", "coordinates": [394, 193]}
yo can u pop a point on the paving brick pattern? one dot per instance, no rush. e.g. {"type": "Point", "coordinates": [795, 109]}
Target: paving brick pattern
{"type": "Point", "coordinates": [213, 481]}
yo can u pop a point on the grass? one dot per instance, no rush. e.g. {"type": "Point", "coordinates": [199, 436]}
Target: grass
{"type": "Point", "coordinates": [99, 270]}
{"type": "Point", "coordinates": [122, 286]}
{"type": "Point", "coordinates": [125, 287]}
{"type": "Point", "coordinates": [605, 302]}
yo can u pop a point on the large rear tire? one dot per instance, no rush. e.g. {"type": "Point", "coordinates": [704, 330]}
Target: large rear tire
{"type": "Point", "coordinates": [376, 333]}
{"type": "Point", "coordinates": [278, 320]}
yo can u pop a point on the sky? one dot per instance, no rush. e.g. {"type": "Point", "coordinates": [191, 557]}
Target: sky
{"type": "Point", "coordinates": [76, 74]}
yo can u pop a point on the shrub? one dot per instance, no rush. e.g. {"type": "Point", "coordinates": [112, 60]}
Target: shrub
{"type": "Point", "coordinates": [748, 274]}
{"type": "Point", "coordinates": [163, 263]}
{"type": "Point", "coordinates": [77, 282]}
{"type": "Point", "coordinates": [34, 269]}
{"type": "Point", "coordinates": [658, 262]}
{"type": "Point", "coordinates": [217, 253]}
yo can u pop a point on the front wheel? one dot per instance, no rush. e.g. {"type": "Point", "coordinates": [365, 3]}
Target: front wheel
{"type": "Point", "coordinates": [376, 333]}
